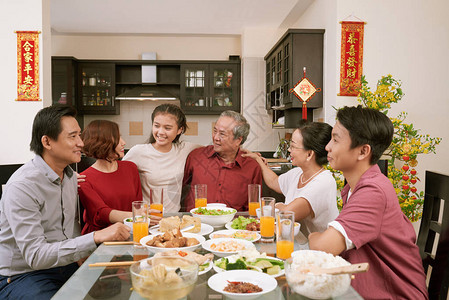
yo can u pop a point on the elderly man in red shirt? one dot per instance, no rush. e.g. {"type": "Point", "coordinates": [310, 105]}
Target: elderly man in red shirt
{"type": "Point", "coordinates": [221, 165]}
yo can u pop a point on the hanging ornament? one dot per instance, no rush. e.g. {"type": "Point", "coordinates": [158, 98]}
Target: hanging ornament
{"type": "Point", "coordinates": [304, 90]}
{"type": "Point", "coordinates": [413, 163]}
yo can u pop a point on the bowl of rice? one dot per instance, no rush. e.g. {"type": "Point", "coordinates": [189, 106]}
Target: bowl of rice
{"type": "Point", "coordinates": [314, 286]}
{"type": "Point", "coordinates": [222, 247]}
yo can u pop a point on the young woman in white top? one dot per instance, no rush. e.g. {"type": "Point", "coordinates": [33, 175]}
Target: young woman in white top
{"type": "Point", "coordinates": [309, 190]}
{"type": "Point", "coordinates": [161, 161]}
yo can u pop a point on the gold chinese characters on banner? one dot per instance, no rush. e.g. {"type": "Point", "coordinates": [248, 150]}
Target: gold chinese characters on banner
{"type": "Point", "coordinates": [28, 66]}
{"type": "Point", "coordinates": [351, 57]}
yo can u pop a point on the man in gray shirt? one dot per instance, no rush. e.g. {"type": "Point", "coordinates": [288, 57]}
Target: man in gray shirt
{"type": "Point", "coordinates": [40, 240]}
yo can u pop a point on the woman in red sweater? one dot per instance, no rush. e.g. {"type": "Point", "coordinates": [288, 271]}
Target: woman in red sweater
{"type": "Point", "coordinates": [110, 185]}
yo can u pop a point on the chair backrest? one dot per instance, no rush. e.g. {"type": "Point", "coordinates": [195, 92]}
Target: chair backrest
{"type": "Point", "coordinates": [434, 224]}
{"type": "Point", "coordinates": [5, 172]}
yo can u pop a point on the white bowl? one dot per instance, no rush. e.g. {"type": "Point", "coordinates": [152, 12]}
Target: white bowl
{"type": "Point", "coordinates": [313, 286]}
{"type": "Point", "coordinates": [129, 222]}
{"type": "Point", "coordinates": [200, 238]}
{"type": "Point", "coordinates": [215, 220]}
{"type": "Point", "coordinates": [207, 245]}
{"type": "Point", "coordinates": [276, 210]}
{"type": "Point", "coordinates": [215, 205]}
{"type": "Point", "coordinates": [219, 281]}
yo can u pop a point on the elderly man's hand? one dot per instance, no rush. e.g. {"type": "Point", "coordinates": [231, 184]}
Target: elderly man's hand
{"type": "Point", "coordinates": [116, 232]}
{"type": "Point", "coordinates": [254, 155]}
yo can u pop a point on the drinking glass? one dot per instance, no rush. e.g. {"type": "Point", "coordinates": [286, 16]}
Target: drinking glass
{"type": "Point", "coordinates": [157, 201]}
{"type": "Point", "coordinates": [140, 220]}
{"type": "Point", "coordinates": [253, 198]}
{"type": "Point", "coordinates": [200, 195]}
{"type": "Point", "coordinates": [267, 219]}
{"type": "Point", "coordinates": [285, 227]}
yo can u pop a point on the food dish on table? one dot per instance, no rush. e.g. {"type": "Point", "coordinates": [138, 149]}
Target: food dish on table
{"type": "Point", "coordinates": [316, 286]}
{"type": "Point", "coordinates": [251, 236]}
{"type": "Point", "coordinates": [226, 246]}
{"type": "Point", "coordinates": [219, 281]}
{"type": "Point", "coordinates": [216, 217]}
{"type": "Point", "coordinates": [204, 261]}
{"type": "Point", "coordinates": [154, 244]}
{"type": "Point", "coordinates": [244, 223]}
{"type": "Point", "coordinates": [174, 278]}
{"type": "Point", "coordinates": [250, 260]}
{"type": "Point", "coordinates": [170, 223]}
{"type": "Point", "coordinates": [205, 229]}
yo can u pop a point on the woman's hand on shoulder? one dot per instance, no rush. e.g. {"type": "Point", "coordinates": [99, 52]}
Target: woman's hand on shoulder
{"type": "Point", "coordinates": [254, 155]}
{"type": "Point", "coordinates": [80, 178]}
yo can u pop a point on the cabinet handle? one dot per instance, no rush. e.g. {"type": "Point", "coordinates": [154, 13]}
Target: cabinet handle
{"type": "Point", "coordinates": [207, 102]}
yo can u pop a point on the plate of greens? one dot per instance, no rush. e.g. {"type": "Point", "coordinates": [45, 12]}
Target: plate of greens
{"type": "Point", "coordinates": [250, 260]}
{"type": "Point", "coordinates": [241, 223]}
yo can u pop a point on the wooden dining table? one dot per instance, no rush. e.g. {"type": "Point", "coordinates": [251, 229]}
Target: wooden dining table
{"type": "Point", "coordinates": [114, 282]}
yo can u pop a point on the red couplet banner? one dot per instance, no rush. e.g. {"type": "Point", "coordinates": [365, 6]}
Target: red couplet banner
{"type": "Point", "coordinates": [28, 66]}
{"type": "Point", "coordinates": [351, 58]}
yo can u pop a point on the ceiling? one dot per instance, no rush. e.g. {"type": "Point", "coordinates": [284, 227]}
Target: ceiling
{"type": "Point", "coordinates": [185, 17]}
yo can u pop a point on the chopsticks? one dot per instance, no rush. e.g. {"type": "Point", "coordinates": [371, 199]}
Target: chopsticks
{"type": "Point", "coordinates": [120, 243]}
{"type": "Point", "coordinates": [112, 264]}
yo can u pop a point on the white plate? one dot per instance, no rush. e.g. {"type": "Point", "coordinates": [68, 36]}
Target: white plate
{"type": "Point", "coordinates": [207, 244]}
{"type": "Point", "coordinates": [211, 263]}
{"type": "Point", "coordinates": [200, 238]}
{"type": "Point", "coordinates": [282, 272]}
{"type": "Point", "coordinates": [219, 281]}
{"type": "Point", "coordinates": [230, 232]}
{"type": "Point", "coordinates": [205, 229]}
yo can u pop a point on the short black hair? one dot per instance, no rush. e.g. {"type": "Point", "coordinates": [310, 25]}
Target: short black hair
{"type": "Point", "coordinates": [48, 122]}
{"type": "Point", "coordinates": [367, 126]}
{"type": "Point", "coordinates": [316, 135]}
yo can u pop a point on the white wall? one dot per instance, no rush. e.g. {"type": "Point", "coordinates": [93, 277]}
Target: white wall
{"type": "Point", "coordinates": [406, 38]}
{"type": "Point", "coordinates": [16, 118]}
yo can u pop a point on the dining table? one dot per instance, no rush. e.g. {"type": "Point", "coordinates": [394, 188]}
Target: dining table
{"type": "Point", "coordinates": [115, 282]}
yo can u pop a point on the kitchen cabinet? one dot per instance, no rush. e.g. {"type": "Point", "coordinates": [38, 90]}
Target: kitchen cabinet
{"type": "Point", "coordinates": [96, 85]}
{"type": "Point", "coordinates": [210, 88]}
{"type": "Point", "coordinates": [296, 49]}
{"type": "Point", "coordinates": [63, 80]}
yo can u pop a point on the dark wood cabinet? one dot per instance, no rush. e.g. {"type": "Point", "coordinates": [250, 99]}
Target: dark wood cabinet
{"type": "Point", "coordinates": [63, 80]}
{"type": "Point", "coordinates": [96, 85]}
{"type": "Point", "coordinates": [210, 88]}
{"type": "Point", "coordinates": [296, 49]}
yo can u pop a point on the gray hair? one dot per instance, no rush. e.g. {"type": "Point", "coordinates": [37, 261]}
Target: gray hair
{"type": "Point", "coordinates": [242, 127]}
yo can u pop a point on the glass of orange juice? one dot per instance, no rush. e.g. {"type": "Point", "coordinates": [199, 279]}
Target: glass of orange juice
{"type": "Point", "coordinates": [267, 219]}
{"type": "Point", "coordinates": [285, 228]}
{"type": "Point", "coordinates": [140, 220]}
{"type": "Point", "coordinates": [200, 195]}
{"type": "Point", "coordinates": [253, 198]}
{"type": "Point", "coordinates": [157, 201]}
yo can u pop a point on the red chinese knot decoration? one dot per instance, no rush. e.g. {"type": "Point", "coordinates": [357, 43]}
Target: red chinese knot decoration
{"type": "Point", "coordinates": [351, 57]}
{"type": "Point", "coordinates": [28, 66]}
{"type": "Point", "coordinates": [304, 90]}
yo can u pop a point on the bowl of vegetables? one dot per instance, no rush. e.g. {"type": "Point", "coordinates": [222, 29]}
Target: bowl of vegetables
{"type": "Point", "coordinates": [216, 217]}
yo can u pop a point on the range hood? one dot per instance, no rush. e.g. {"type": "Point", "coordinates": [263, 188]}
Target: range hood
{"type": "Point", "coordinates": [147, 92]}
{"type": "Point", "coordinates": [142, 93]}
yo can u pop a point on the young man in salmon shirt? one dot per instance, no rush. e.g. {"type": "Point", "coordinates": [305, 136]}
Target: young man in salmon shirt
{"type": "Point", "coordinates": [371, 226]}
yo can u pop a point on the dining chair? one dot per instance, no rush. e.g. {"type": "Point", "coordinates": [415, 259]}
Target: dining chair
{"type": "Point", "coordinates": [433, 236]}
{"type": "Point", "coordinates": [5, 172]}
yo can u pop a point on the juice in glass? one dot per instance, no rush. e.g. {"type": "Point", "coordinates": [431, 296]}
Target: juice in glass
{"type": "Point", "coordinates": [157, 206]}
{"type": "Point", "coordinates": [267, 226]}
{"type": "Point", "coordinates": [284, 249]}
{"type": "Point", "coordinates": [200, 202]}
{"type": "Point", "coordinates": [252, 206]}
{"type": "Point", "coordinates": [140, 229]}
